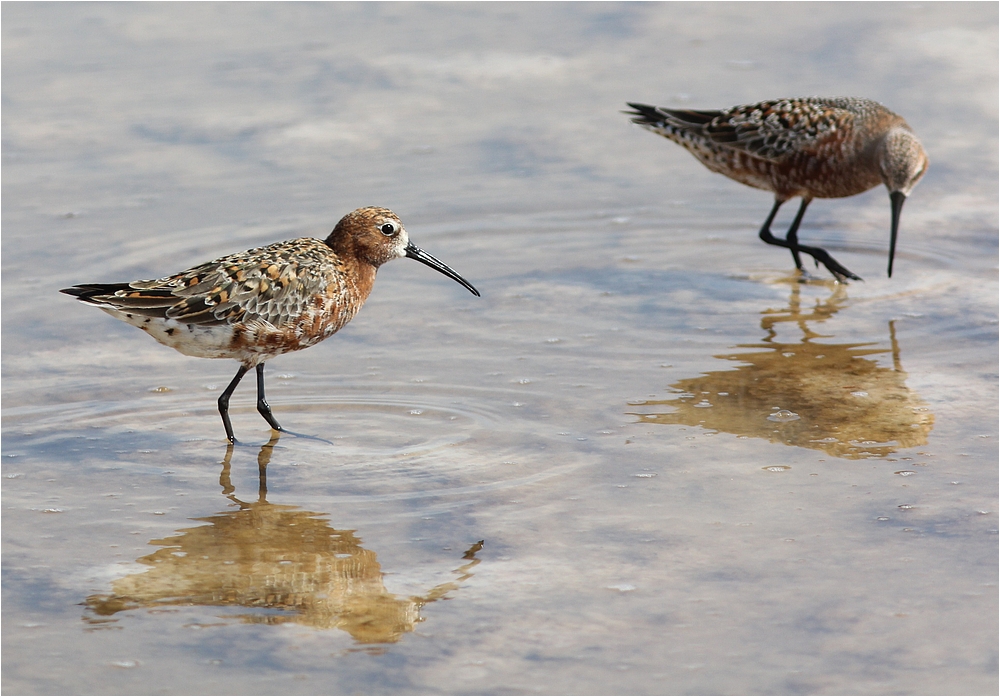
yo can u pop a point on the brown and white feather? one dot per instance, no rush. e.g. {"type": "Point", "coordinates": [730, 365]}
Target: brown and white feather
{"type": "Point", "coordinates": [815, 147]}
{"type": "Point", "coordinates": [252, 305]}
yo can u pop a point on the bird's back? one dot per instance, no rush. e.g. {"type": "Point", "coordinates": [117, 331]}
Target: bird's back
{"type": "Point", "coordinates": [250, 306]}
{"type": "Point", "coordinates": [817, 147]}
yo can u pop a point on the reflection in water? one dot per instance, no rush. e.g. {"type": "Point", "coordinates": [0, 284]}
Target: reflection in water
{"type": "Point", "coordinates": [284, 563]}
{"type": "Point", "coordinates": [822, 396]}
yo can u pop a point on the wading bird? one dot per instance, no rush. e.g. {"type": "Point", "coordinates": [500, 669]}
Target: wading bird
{"type": "Point", "coordinates": [255, 305]}
{"type": "Point", "coordinates": [812, 147]}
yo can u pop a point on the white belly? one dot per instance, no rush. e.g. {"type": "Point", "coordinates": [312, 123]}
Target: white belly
{"type": "Point", "coordinates": [201, 341]}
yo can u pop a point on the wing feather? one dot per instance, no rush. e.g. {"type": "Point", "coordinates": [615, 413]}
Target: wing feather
{"type": "Point", "coordinates": [268, 284]}
{"type": "Point", "coordinates": [767, 130]}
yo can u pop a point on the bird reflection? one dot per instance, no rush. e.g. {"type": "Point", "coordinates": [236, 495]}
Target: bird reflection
{"type": "Point", "coordinates": [281, 563]}
{"type": "Point", "coordinates": [823, 396]}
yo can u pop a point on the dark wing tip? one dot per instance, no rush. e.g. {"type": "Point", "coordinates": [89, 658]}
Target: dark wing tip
{"type": "Point", "coordinates": [86, 291]}
{"type": "Point", "coordinates": [644, 113]}
{"type": "Point", "coordinates": [148, 302]}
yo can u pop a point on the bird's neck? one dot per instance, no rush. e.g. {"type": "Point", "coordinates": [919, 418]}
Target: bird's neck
{"type": "Point", "coordinates": [349, 248]}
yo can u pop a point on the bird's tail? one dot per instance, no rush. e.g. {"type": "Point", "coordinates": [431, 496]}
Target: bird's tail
{"type": "Point", "coordinates": [92, 292]}
{"type": "Point", "coordinates": [648, 115]}
{"type": "Point", "coordinates": [124, 296]}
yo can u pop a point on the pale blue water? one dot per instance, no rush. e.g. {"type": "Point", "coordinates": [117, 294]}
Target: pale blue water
{"type": "Point", "coordinates": [628, 547]}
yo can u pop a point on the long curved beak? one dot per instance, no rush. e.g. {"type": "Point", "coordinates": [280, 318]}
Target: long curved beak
{"type": "Point", "coordinates": [415, 252]}
{"type": "Point", "coordinates": [897, 198]}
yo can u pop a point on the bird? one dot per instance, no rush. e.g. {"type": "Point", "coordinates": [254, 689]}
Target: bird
{"type": "Point", "coordinates": [255, 305]}
{"type": "Point", "coordinates": [811, 147]}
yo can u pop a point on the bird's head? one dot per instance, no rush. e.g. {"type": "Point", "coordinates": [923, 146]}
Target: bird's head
{"type": "Point", "coordinates": [370, 235]}
{"type": "Point", "coordinates": [376, 235]}
{"type": "Point", "coordinates": [901, 160]}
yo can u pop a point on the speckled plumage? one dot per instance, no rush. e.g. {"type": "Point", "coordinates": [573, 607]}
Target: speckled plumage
{"type": "Point", "coordinates": [250, 306]}
{"type": "Point", "coordinates": [813, 147]}
{"type": "Point", "coordinates": [255, 305]}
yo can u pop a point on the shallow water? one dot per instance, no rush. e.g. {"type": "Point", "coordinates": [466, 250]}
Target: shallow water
{"type": "Point", "coordinates": [691, 471]}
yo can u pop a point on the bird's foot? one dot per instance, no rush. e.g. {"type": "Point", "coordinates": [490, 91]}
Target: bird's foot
{"type": "Point", "coordinates": [842, 274]}
{"type": "Point", "coordinates": [839, 271]}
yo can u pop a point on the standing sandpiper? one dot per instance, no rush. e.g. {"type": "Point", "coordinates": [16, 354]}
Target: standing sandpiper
{"type": "Point", "coordinates": [813, 147]}
{"type": "Point", "coordinates": [261, 303]}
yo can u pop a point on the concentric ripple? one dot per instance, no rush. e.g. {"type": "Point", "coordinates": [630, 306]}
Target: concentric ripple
{"type": "Point", "coordinates": [342, 441]}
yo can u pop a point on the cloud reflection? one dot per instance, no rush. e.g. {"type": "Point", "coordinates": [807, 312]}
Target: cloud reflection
{"type": "Point", "coordinates": [280, 562]}
{"type": "Point", "coordinates": [823, 396]}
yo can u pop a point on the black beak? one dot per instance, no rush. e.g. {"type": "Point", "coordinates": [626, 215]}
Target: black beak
{"type": "Point", "coordinates": [415, 252]}
{"type": "Point", "coordinates": [897, 198]}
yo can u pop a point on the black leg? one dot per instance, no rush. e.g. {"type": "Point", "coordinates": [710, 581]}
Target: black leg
{"type": "Point", "coordinates": [820, 255]}
{"type": "Point", "coordinates": [793, 233]}
{"type": "Point", "coordinates": [765, 230]}
{"type": "Point", "coordinates": [224, 402]}
{"type": "Point", "coordinates": [262, 406]}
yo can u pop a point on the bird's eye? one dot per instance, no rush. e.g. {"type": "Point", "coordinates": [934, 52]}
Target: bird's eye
{"type": "Point", "coordinates": [389, 229]}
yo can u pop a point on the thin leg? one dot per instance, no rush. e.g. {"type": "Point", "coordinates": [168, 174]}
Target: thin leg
{"type": "Point", "coordinates": [224, 402]}
{"type": "Point", "coordinates": [820, 255]}
{"type": "Point", "coordinates": [793, 233]}
{"type": "Point", "coordinates": [765, 230]}
{"type": "Point", "coordinates": [262, 406]}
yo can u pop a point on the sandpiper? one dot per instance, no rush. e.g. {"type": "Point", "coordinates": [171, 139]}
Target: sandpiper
{"type": "Point", "coordinates": [255, 305]}
{"type": "Point", "coordinates": [813, 147]}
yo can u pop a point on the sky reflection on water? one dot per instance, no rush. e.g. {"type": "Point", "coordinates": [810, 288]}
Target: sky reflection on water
{"type": "Point", "coordinates": [746, 554]}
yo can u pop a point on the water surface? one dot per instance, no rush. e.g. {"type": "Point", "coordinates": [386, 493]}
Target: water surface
{"type": "Point", "coordinates": [650, 459]}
